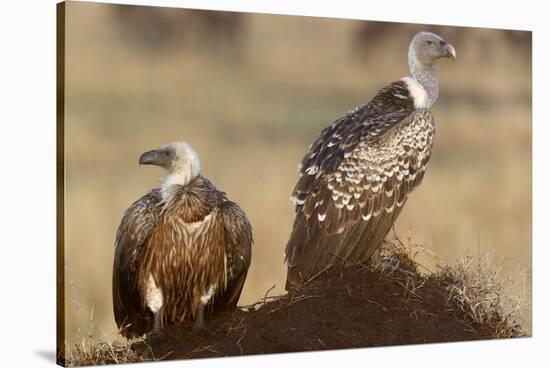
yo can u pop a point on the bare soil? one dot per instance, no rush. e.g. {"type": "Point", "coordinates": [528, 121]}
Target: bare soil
{"type": "Point", "coordinates": [344, 307]}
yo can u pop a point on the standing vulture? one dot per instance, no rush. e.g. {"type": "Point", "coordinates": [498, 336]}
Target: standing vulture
{"type": "Point", "coordinates": [356, 177]}
{"type": "Point", "coordinates": [179, 248]}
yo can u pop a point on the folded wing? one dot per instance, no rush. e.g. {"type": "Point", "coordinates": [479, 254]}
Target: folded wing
{"type": "Point", "coordinates": [132, 318]}
{"type": "Point", "coordinates": [238, 245]}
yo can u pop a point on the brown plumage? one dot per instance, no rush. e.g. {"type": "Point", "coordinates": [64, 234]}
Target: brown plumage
{"type": "Point", "coordinates": [356, 177]}
{"type": "Point", "coordinates": [179, 249]}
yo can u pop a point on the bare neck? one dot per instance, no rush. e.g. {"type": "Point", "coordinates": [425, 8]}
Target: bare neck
{"type": "Point", "coordinates": [425, 75]}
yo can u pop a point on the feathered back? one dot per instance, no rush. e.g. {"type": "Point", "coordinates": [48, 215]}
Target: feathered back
{"type": "Point", "coordinates": [355, 179]}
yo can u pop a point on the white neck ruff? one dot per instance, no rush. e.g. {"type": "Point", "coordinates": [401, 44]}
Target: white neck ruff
{"type": "Point", "coordinates": [181, 177]}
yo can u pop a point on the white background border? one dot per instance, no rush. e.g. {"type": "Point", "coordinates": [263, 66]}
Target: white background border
{"type": "Point", "coordinates": [27, 180]}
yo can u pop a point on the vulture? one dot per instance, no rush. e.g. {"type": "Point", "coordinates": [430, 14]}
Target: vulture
{"type": "Point", "coordinates": [356, 177]}
{"type": "Point", "coordinates": [180, 250]}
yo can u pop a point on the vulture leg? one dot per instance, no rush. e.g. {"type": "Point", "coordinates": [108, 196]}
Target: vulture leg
{"type": "Point", "coordinates": [157, 323]}
{"type": "Point", "coordinates": [199, 321]}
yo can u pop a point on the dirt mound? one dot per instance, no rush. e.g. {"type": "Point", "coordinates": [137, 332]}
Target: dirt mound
{"type": "Point", "coordinates": [386, 302]}
{"type": "Point", "coordinates": [344, 307]}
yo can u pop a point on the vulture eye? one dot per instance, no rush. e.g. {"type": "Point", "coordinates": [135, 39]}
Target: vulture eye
{"type": "Point", "coordinates": [429, 42]}
{"type": "Point", "coordinates": [167, 153]}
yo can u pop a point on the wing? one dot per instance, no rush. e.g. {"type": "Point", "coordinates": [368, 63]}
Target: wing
{"type": "Point", "coordinates": [238, 238]}
{"type": "Point", "coordinates": [391, 105]}
{"type": "Point", "coordinates": [345, 209]}
{"type": "Point", "coordinates": [132, 234]}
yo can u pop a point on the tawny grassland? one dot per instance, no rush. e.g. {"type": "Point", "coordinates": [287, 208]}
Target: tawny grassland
{"type": "Point", "coordinates": [251, 108]}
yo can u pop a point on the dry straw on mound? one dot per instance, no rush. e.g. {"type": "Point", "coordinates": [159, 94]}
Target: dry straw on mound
{"type": "Point", "coordinates": [480, 293]}
{"type": "Point", "coordinates": [474, 285]}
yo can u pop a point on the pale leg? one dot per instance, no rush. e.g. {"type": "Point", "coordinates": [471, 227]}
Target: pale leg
{"type": "Point", "coordinates": [199, 321]}
{"type": "Point", "coordinates": [157, 323]}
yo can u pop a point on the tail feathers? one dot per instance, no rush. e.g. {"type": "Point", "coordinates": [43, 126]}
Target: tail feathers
{"type": "Point", "coordinates": [378, 236]}
{"type": "Point", "coordinates": [311, 249]}
{"type": "Point", "coordinates": [365, 241]}
{"type": "Point", "coordinates": [302, 245]}
{"type": "Point", "coordinates": [230, 296]}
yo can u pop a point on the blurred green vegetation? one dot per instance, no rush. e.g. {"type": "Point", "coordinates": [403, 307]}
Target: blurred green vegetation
{"type": "Point", "coordinates": [250, 93]}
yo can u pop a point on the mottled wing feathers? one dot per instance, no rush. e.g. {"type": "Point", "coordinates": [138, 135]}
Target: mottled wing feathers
{"type": "Point", "coordinates": [238, 247]}
{"type": "Point", "coordinates": [345, 208]}
{"type": "Point", "coordinates": [133, 232]}
{"type": "Point", "coordinates": [337, 141]}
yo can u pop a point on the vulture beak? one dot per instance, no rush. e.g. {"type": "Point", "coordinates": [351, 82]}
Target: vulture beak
{"type": "Point", "coordinates": [449, 51]}
{"type": "Point", "coordinates": [150, 158]}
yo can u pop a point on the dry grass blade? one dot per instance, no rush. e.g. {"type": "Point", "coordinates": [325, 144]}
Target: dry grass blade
{"type": "Point", "coordinates": [240, 340]}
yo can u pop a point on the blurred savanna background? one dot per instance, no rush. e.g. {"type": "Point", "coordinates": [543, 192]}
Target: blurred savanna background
{"type": "Point", "coordinates": [250, 92]}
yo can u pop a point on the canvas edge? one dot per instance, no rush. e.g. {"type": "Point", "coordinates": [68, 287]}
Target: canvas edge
{"type": "Point", "coordinates": [60, 183]}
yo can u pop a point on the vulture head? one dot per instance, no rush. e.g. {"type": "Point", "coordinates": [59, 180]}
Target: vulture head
{"type": "Point", "coordinates": [178, 158]}
{"type": "Point", "coordinates": [427, 47]}
{"type": "Point", "coordinates": [424, 50]}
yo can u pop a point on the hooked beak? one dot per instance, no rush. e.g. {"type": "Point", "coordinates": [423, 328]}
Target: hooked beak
{"type": "Point", "coordinates": [449, 51]}
{"type": "Point", "coordinates": [149, 158]}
